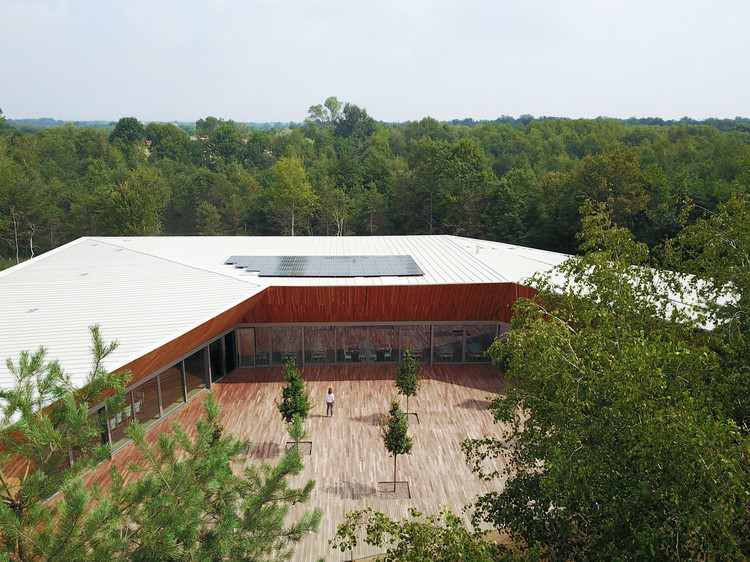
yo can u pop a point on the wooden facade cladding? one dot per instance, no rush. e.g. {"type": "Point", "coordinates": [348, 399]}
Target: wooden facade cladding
{"type": "Point", "coordinates": [397, 303]}
{"type": "Point", "coordinates": [333, 304]}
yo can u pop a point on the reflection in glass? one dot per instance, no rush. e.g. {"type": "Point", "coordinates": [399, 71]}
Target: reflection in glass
{"type": "Point", "coordinates": [171, 388]}
{"type": "Point", "coordinates": [246, 346]}
{"type": "Point", "coordinates": [118, 423]}
{"type": "Point", "coordinates": [146, 402]}
{"type": "Point", "coordinates": [447, 343]}
{"type": "Point", "coordinates": [478, 340]}
{"type": "Point", "coordinates": [417, 340]}
{"type": "Point", "coordinates": [352, 341]}
{"type": "Point", "coordinates": [262, 346]}
{"type": "Point", "coordinates": [384, 340]}
{"type": "Point", "coordinates": [195, 373]}
{"type": "Point", "coordinates": [319, 344]}
{"type": "Point", "coordinates": [230, 356]}
{"type": "Point", "coordinates": [215, 360]}
{"type": "Point", "coordinates": [286, 345]}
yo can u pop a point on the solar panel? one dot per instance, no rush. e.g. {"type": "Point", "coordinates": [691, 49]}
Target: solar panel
{"type": "Point", "coordinates": [327, 266]}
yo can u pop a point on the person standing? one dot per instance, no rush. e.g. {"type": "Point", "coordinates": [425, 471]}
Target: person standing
{"type": "Point", "coordinates": [329, 401]}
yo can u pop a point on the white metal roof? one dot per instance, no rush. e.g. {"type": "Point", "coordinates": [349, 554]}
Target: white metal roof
{"type": "Point", "coordinates": [146, 291]}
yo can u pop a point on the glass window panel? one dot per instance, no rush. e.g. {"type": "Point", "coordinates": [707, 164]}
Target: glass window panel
{"type": "Point", "coordinates": [246, 346]}
{"type": "Point", "coordinates": [118, 423]}
{"type": "Point", "coordinates": [262, 346]}
{"type": "Point", "coordinates": [146, 402]}
{"type": "Point", "coordinates": [352, 341]}
{"type": "Point", "coordinates": [195, 373]}
{"type": "Point", "coordinates": [384, 342]}
{"type": "Point", "coordinates": [171, 388]}
{"type": "Point", "coordinates": [417, 340]}
{"type": "Point", "coordinates": [286, 345]}
{"type": "Point", "coordinates": [230, 355]}
{"type": "Point", "coordinates": [478, 339]}
{"type": "Point", "coordinates": [216, 360]}
{"type": "Point", "coordinates": [447, 343]}
{"type": "Point", "coordinates": [319, 344]}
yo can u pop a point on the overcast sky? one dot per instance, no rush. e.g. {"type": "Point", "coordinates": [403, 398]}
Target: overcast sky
{"type": "Point", "coordinates": [402, 60]}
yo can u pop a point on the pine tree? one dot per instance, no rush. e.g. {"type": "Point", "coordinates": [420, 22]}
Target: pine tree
{"type": "Point", "coordinates": [394, 430]}
{"type": "Point", "coordinates": [191, 504]}
{"type": "Point", "coordinates": [295, 398]}
{"type": "Point", "coordinates": [45, 424]}
{"type": "Point", "coordinates": [408, 376]}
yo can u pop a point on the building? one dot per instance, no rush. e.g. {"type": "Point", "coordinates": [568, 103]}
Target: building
{"type": "Point", "coordinates": [188, 310]}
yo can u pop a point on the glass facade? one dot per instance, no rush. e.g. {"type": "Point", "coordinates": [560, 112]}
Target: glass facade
{"type": "Point", "coordinates": [196, 376]}
{"type": "Point", "coordinates": [245, 346]}
{"type": "Point", "coordinates": [417, 340]}
{"type": "Point", "coordinates": [286, 345]}
{"type": "Point", "coordinates": [320, 344]}
{"type": "Point", "coordinates": [262, 346]}
{"type": "Point", "coordinates": [118, 423]}
{"type": "Point", "coordinates": [352, 342]}
{"type": "Point", "coordinates": [447, 344]}
{"type": "Point", "coordinates": [479, 338]}
{"type": "Point", "coordinates": [306, 345]}
{"type": "Point", "coordinates": [146, 402]}
{"type": "Point", "coordinates": [216, 363]}
{"type": "Point", "coordinates": [230, 353]}
{"type": "Point", "coordinates": [384, 340]}
{"type": "Point", "coordinates": [172, 392]}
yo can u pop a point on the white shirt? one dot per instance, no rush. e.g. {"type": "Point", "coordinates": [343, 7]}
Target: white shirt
{"type": "Point", "coordinates": [329, 398]}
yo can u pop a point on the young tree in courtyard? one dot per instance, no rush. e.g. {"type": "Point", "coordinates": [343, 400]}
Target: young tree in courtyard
{"type": "Point", "coordinates": [408, 376]}
{"type": "Point", "coordinates": [45, 425]}
{"type": "Point", "coordinates": [394, 430]}
{"type": "Point", "coordinates": [297, 431]}
{"type": "Point", "coordinates": [295, 400]}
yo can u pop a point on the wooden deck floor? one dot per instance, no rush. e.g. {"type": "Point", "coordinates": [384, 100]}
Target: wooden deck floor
{"type": "Point", "coordinates": [348, 458]}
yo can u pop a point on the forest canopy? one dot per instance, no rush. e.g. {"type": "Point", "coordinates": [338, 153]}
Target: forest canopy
{"type": "Point", "coordinates": [342, 172]}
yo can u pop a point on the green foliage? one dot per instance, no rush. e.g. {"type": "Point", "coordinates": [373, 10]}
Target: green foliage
{"type": "Point", "coordinates": [295, 400]}
{"type": "Point", "coordinates": [128, 130]}
{"type": "Point", "coordinates": [515, 180]}
{"type": "Point", "coordinates": [190, 504]}
{"type": "Point", "coordinates": [296, 430]}
{"type": "Point", "coordinates": [716, 250]}
{"type": "Point", "coordinates": [208, 220]}
{"type": "Point", "coordinates": [136, 206]}
{"type": "Point", "coordinates": [394, 430]}
{"type": "Point", "coordinates": [327, 113]}
{"type": "Point", "coordinates": [408, 376]}
{"type": "Point", "coordinates": [291, 198]}
{"type": "Point", "coordinates": [615, 433]}
{"type": "Point", "coordinates": [440, 538]}
{"type": "Point", "coordinates": [45, 422]}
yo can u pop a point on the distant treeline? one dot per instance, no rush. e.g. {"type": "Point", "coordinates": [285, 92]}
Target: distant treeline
{"type": "Point", "coordinates": [341, 172]}
{"type": "Point", "coordinates": [741, 123]}
{"type": "Point", "coordinates": [34, 125]}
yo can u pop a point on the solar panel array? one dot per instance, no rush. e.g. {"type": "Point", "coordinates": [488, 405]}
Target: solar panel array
{"type": "Point", "coordinates": [327, 266]}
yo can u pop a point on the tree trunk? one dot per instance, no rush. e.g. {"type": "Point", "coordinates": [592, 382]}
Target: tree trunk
{"type": "Point", "coordinates": [394, 473]}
